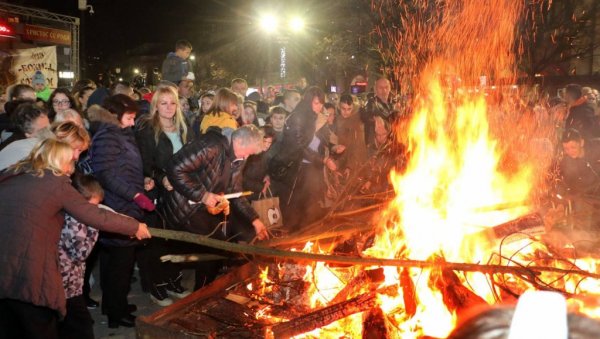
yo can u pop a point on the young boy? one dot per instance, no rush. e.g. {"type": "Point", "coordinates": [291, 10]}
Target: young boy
{"type": "Point", "coordinates": [38, 82]}
{"type": "Point", "coordinates": [76, 242]}
{"type": "Point", "coordinates": [176, 66]}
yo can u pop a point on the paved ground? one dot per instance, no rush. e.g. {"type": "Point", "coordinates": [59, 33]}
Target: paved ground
{"type": "Point", "coordinates": [136, 296]}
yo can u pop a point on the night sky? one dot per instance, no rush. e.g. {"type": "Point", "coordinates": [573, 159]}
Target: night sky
{"type": "Point", "coordinates": [137, 34]}
{"type": "Point", "coordinates": [118, 25]}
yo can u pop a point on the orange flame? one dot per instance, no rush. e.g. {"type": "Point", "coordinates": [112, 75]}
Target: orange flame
{"type": "Point", "coordinates": [455, 185]}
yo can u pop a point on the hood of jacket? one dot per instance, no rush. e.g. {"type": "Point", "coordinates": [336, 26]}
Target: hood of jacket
{"type": "Point", "coordinates": [99, 114]}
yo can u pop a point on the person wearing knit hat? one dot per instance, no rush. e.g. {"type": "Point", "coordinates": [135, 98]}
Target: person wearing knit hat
{"type": "Point", "coordinates": [38, 82]}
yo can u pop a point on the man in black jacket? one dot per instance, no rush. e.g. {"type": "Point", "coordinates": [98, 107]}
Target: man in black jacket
{"type": "Point", "coordinates": [200, 172]}
{"type": "Point", "coordinates": [581, 115]}
{"type": "Point", "coordinates": [378, 107]}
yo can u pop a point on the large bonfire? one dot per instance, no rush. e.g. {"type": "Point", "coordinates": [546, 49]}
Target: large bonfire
{"type": "Point", "coordinates": [459, 233]}
{"type": "Point", "coordinates": [460, 183]}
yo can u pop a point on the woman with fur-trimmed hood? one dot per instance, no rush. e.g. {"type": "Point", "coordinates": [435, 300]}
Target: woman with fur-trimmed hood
{"type": "Point", "coordinates": [117, 164]}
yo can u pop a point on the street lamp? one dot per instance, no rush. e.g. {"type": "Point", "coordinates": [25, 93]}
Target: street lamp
{"type": "Point", "coordinates": [268, 23]}
{"type": "Point", "coordinates": [296, 24]}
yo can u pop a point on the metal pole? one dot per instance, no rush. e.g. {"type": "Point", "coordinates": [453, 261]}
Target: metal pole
{"type": "Point", "coordinates": [82, 53]}
{"type": "Point", "coordinates": [282, 64]}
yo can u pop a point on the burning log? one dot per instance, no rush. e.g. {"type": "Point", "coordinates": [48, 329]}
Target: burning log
{"type": "Point", "coordinates": [374, 325]}
{"type": "Point", "coordinates": [409, 293]}
{"type": "Point", "coordinates": [369, 278]}
{"type": "Point", "coordinates": [457, 297]}
{"type": "Point", "coordinates": [324, 316]}
{"type": "Point", "coordinates": [531, 224]}
{"type": "Point", "coordinates": [528, 225]}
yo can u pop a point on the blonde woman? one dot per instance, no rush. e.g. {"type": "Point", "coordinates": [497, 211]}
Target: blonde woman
{"type": "Point", "coordinates": [73, 134]}
{"type": "Point", "coordinates": [160, 135]}
{"type": "Point", "coordinates": [35, 194]}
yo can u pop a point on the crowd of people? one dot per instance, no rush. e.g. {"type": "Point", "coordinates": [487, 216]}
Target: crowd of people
{"type": "Point", "coordinates": [97, 164]}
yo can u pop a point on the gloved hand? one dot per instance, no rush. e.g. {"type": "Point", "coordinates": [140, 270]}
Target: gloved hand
{"type": "Point", "coordinates": [144, 202]}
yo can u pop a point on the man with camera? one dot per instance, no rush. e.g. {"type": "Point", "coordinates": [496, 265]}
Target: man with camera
{"type": "Point", "coordinates": [381, 106]}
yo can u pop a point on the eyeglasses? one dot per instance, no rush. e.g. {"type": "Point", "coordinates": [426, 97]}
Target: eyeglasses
{"type": "Point", "coordinates": [61, 102]}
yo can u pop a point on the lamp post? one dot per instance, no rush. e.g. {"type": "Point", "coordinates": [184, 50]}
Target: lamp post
{"type": "Point", "coordinates": [269, 24]}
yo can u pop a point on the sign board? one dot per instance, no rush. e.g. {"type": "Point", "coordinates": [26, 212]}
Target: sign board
{"type": "Point", "coordinates": [46, 34]}
{"type": "Point", "coordinates": [6, 30]}
{"type": "Point", "coordinates": [25, 62]}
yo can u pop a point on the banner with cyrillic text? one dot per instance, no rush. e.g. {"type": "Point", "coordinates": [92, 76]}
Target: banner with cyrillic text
{"type": "Point", "coordinates": [25, 62]}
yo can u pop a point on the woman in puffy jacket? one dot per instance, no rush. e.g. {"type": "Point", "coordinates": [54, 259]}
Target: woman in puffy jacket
{"type": "Point", "coordinates": [117, 164]}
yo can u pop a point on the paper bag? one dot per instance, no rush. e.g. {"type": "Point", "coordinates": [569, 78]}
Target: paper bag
{"type": "Point", "coordinates": [268, 210]}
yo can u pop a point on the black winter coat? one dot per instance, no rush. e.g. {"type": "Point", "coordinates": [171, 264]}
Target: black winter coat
{"type": "Point", "coordinates": [375, 107]}
{"type": "Point", "coordinates": [117, 165]}
{"type": "Point", "coordinates": [298, 132]}
{"type": "Point", "coordinates": [155, 156]}
{"type": "Point", "coordinates": [582, 118]}
{"type": "Point", "coordinates": [254, 173]}
{"type": "Point", "coordinates": [582, 175]}
{"type": "Point", "coordinates": [204, 165]}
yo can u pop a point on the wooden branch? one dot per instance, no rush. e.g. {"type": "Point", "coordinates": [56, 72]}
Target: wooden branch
{"type": "Point", "coordinates": [303, 238]}
{"type": "Point", "coordinates": [358, 211]}
{"type": "Point", "coordinates": [194, 257]}
{"type": "Point", "coordinates": [317, 226]}
{"type": "Point", "coordinates": [530, 271]}
{"type": "Point", "coordinates": [324, 316]}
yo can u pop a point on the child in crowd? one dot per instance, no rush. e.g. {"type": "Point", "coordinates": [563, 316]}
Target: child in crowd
{"type": "Point", "coordinates": [38, 82]}
{"type": "Point", "coordinates": [76, 242]}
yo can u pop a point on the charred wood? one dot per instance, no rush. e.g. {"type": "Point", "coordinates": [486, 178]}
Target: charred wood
{"type": "Point", "coordinates": [457, 297]}
{"type": "Point", "coordinates": [374, 325]}
{"type": "Point", "coordinates": [324, 316]}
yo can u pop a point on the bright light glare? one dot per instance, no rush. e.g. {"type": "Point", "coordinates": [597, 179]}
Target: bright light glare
{"type": "Point", "coordinates": [268, 23]}
{"type": "Point", "coordinates": [296, 24]}
{"type": "Point", "coordinates": [192, 57]}
{"type": "Point", "coordinates": [66, 75]}
{"type": "Point", "coordinates": [136, 71]}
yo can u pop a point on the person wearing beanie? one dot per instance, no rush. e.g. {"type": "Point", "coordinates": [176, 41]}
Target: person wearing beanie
{"type": "Point", "coordinates": [38, 82]}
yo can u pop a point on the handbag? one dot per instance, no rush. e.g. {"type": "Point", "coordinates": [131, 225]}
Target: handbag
{"type": "Point", "coordinates": [268, 209]}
